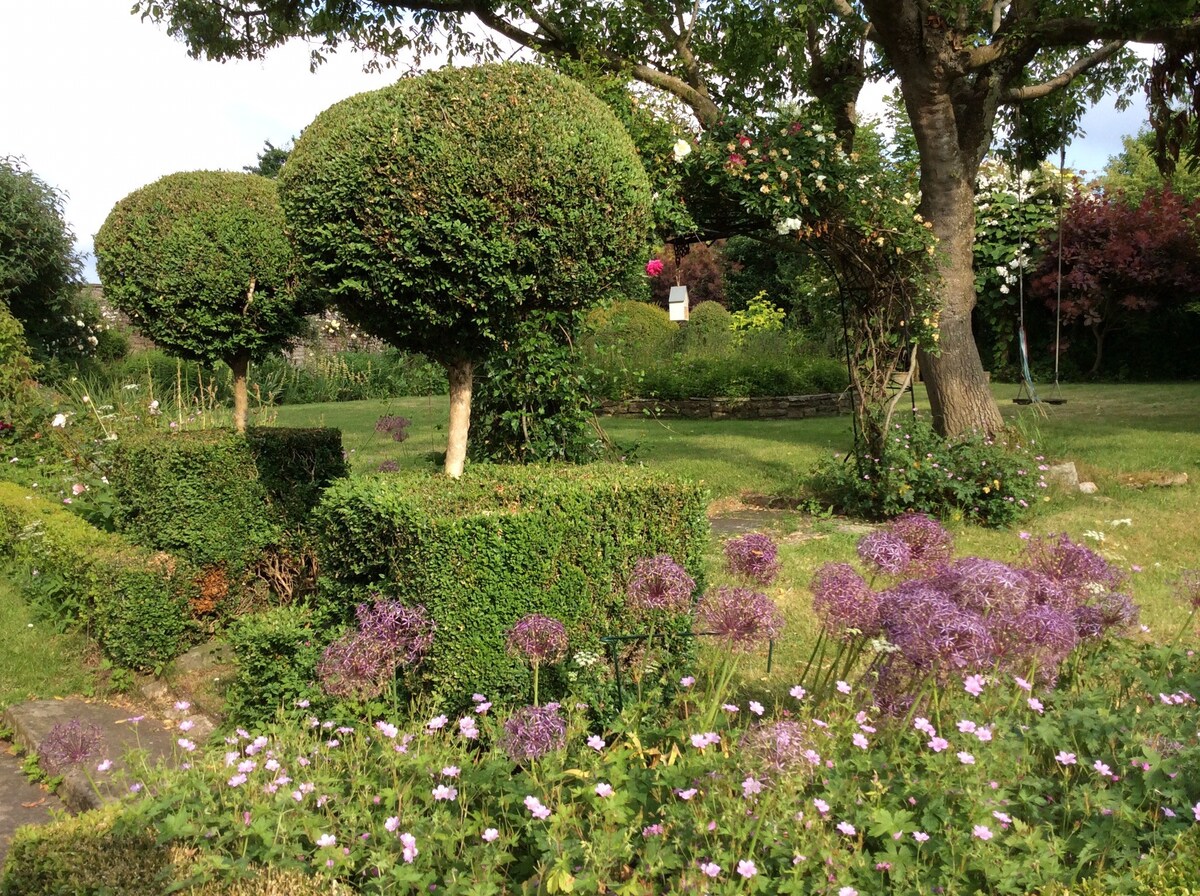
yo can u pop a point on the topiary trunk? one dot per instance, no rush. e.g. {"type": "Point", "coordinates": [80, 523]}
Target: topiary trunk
{"type": "Point", "coordinates": [240, 365]}
{"type": "Point", "coordinates": [462, 375]}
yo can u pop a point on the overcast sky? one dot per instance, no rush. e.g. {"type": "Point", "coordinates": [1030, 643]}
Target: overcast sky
{"type": "Point", "coordinates": [99, 103]}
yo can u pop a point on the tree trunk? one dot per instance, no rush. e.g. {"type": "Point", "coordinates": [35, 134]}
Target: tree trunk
{"type": "Point", "coordinates": [462, 375]}
{"type": "Point", "coordinates": [959, 396]}
{"type": "Point", "coordinates": [240, 365]}
{"type": "Point", "coordinates": [1098, 333]}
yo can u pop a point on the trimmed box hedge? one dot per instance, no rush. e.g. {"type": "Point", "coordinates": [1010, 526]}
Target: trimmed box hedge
{"type": "Point", "coordinates": [485, 550]}
{"type": "Point", "coordinates": [135, 602]}
{"type": "Point", "coordinates": [220, 499]}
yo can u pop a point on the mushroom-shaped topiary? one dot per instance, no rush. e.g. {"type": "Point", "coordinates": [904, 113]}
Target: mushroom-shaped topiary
{"type": "Point", "coordinates": [201, 264]}
{"type": "Point", "coordinates": [441, 211]}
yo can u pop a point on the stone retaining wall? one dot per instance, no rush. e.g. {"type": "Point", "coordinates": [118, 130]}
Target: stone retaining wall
{"type": "Point", "coordinates": [779, 407]}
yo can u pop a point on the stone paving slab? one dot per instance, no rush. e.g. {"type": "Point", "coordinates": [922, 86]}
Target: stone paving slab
{"type": "Point", "coordinates": [21, 802]}
{"type": "Point", "coordinates": [84, 787]}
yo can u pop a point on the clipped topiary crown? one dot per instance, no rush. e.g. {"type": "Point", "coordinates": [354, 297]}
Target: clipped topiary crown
{"type": "Point", "coordinates": [439, 211]}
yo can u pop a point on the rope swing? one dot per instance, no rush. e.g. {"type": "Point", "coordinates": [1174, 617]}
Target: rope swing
{"type": "Point", "coordinates": [1026, 394]}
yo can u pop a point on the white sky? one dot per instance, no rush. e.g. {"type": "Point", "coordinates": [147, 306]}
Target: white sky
{"type": "Point", "coordinates": [99, 103]}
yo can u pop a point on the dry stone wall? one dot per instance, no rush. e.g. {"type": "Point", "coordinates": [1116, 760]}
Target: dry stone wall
{"type": "Point", "coordinates": [779, 407]}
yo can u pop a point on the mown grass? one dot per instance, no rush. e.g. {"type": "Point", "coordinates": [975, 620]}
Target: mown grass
{"type": "Point", "coordinates": [35, 660]}
{"type": "Point", "coordinates": [1108, 431]}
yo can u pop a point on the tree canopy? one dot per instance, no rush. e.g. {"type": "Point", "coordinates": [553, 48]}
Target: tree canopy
{"type": "Point", "coordinates": [201, 264]}
{"type": "Point", "coordinates": [40, 270]}
{"type": "Point", "coordinates": [959, 64]}
{"type": "Point", "coordinates": [442, 212]}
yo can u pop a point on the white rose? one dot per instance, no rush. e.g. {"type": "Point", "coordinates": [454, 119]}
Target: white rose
{"type": "Point", "coordinates": [681, 150]}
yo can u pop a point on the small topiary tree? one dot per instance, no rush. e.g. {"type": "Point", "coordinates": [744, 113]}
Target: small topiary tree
{"type": "Point", "coordinates": [201, 264]}
{"type": "Point", "coordinates": [442, 211]}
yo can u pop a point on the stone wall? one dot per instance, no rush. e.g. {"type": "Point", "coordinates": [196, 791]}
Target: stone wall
{"type": "Point", "coordinates": [779, 407]}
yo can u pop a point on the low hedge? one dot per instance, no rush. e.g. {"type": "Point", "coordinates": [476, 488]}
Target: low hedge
{"type": "Point", "coordinates": [135, 602]}
{"type": "Point", "coordinates": [220, 499]}
{"type": "Point", "coordinates": [85, 855]}
{"type": "Point", "coordinates": [108, 852]}
{"type": "Point", "coordinates": [498, 544]}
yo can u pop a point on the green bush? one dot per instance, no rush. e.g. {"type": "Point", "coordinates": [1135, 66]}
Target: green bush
{"type": "Point", "coordinates": [348, 376]}
{"type": "Point", "coordinates": [277, 652]}
{"type": "Point", "coordinates": [220, 499]}
{"type": "Point", "coordinates": [742, 377]}
{"type": "Point", "coordinates": [502, 543]}
{"type": "Point", "coordinates": [135, 602]}
{"type": "Point", "coordinates": [973, 477]}
{"type": "Point", "coordinates": [85, 855]}
{"type": "Point", "coordinates": [636, 332]}
{"type": "Point", "coordinates": [708, 331]}
{"type": "Point", "coordinates": [15, 366]}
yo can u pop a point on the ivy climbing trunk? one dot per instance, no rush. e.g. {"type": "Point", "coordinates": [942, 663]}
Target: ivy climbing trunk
{"type": "Point", "coordinates": [240, 365]}
{"type": "Point", "coordinates": [462, 374]}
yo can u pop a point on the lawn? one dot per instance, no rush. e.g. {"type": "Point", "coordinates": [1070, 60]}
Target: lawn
{"type": "Point", "coordinates": [1110, 432]}
{"type": "Point", "coordinates": [36, 661]}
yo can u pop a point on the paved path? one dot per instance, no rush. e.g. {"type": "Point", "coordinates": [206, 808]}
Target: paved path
{"type": "Point", "coordinates": [21, 803]}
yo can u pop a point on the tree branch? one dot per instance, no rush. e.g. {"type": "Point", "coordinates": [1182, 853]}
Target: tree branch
{"type": "Point", "coordinates": [1036, 91]}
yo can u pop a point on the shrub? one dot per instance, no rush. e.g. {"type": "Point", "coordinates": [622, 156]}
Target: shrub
{"type": "Point", "coordinates": [134, 601]}
{"type": "Point", "coordinates": [85, 855]}
{"type": "Point", "coordinates": [221, 499]}
{"type": "Point", "coordinates": [277, 652]}
{"type": "Point", "coordinates": [452, 229]}
{"type": "Point", "coordinates": [40, 268]}
{"type": "Point", "coordinates": [708, 331]}
{"type": "Point", "coordinates": [973, 477]}
{"type": "Point", "coordinates": [499, 545]}
{"type": "Point", "coordinates": [16, 369]}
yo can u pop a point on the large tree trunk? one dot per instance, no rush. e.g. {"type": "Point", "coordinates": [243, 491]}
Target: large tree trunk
{"type": "Point", "coordinates": [958, 387]}
{"type": "Point", "coordinates": [462, 374]}
{"type": "Point", "coordinates": [240, 365]}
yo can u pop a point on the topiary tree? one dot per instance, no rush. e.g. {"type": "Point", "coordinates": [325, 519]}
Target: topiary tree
{"type": "Point", "coordinates": [201, 264]}
{"type": "Point", "coordinates": [442, 211]}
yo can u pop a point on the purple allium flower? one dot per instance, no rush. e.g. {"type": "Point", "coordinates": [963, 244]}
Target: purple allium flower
{"type": "Point", "coordinates": [844, 601]}
{"type": "Point", "coordinates": [1072, 566]}
{"type": "Point", "coordinates": [985, 586]}
{"type": "Point", "coordinates": [929, 544]}
{"type": "Point", "coordinates": [885, 550]}
{"type": "Point", "coordinates": [396, 427]}
{"type": "Point", "coordinates": [1187, 587]}
{"type": "Point", "coordinates": [742, 618]}
{"type": "Point", "coordinates": [533, 731]}
{"type": "Point", "coordinates": [659, 583]}
{"type": "Point", "coordinates": [753, 556]}
{"type": "Point", "coordinates": [361, 663]}
{"type": "Point", "coordinates": [932, 632]}
{"type": "Point", "coordinates": [776, 748]}
{"type": "Point", "coordinates": [1041, 633]}
{"type": "Point", "coordinates": [538, 638]}
{"type": "Point", "coordinates": [67, 744]}
{"type": "Point", "coordinates": [388, 466]}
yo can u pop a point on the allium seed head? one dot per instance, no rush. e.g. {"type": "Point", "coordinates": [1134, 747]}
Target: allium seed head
{"type": "Point", "coordinates": [753, 556]}
{"type": "Point", "coordinates": [533, 731]}
{"type": "Point", "coordinates": [742, 618]}
{"type": "Point", "coordinates": [886, 551]}
{"type": "Point", "coordinates": [929, 543]}
{"type": "Point", "coordinates": [844, 602]}
{"type": "Point", "coordinates": [67, 744]}
{"type": "Point", "coordinates": [659, 583]}
{"type": "Point", "coordinates": [539, 639]}
{"type": "Point", "coordinates": [777, 748]}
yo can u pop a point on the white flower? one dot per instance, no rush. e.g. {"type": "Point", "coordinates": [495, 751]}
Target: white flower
{"type": "Point", "coordinates": [59, 421]}
{"type": "Point", "coordinates": [785, 227]}
{"type": "Point", "coordinates": [681, 150]}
